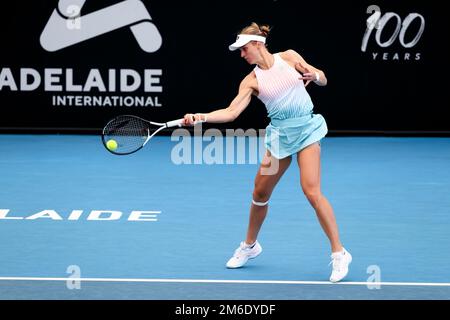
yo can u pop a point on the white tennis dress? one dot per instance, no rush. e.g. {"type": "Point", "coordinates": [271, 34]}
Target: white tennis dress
{"type": "Point", "coordinates": [292, 126]}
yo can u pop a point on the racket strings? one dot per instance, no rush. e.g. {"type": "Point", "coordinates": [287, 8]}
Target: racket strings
{"type": "Point", "coordinates": [130, 133]}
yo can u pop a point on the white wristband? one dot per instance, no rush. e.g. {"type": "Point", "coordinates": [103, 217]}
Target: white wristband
{"type": "Point", "coordinates": [202, 115]}
{"type": "Point", "coordinates": [317, 76]}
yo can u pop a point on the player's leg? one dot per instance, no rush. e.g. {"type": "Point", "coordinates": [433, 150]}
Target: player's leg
{"type": "Point", "coordinates": [308, 160]}
{"type": "Point", "coordinates": [265, 181]}
{"type": "Point", "coordinates": [309, 163]}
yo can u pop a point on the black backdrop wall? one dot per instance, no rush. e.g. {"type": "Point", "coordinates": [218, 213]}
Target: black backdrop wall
{"type": "Point", "coordinates": [163, 58]}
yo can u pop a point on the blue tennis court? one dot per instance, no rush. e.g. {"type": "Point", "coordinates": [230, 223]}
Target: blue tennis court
{"type": "Point", "coordinates": [80, 223]}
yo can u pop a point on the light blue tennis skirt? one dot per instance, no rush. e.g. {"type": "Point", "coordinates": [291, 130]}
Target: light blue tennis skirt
{"type": "Point", "coordinates": [286, 137]}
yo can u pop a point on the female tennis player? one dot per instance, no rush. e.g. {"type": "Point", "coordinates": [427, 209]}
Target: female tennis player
{"type": "Point", "coordinates": [279, 81]}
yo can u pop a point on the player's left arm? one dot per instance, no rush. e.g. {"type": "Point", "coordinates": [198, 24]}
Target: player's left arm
{"type": "Point", "coordinates": [309, 72]}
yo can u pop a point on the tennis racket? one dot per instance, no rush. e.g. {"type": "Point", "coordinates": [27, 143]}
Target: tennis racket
{"type": "Point", "coordinates": [127, 134]}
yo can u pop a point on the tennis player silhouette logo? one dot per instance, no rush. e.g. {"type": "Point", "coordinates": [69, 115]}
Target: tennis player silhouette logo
{"type": "Point", "coordinates": [66, 27]}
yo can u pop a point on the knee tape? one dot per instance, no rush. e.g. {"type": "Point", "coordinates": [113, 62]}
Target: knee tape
{"type": "Point", "coordinates": [260, 204]}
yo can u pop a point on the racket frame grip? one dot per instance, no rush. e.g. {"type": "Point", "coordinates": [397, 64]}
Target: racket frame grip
{"type": "Point", "coordinates": [175, 123]}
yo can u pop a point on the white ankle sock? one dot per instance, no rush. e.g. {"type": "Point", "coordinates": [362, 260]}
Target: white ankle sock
{"type": "Point", "coordinates": [249, 245]}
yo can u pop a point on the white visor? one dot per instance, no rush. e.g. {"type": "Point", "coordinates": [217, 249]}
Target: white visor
{"type": "Point", "coordinates": [243, 39]}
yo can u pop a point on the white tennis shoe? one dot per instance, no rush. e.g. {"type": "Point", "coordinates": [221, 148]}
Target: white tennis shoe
{"type": "Point", "coordinates": [243, 253]}
{"type": "Point", "coordinates": [340, 260]}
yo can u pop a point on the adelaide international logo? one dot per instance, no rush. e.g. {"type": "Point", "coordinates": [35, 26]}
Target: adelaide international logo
{"type": "Point", "coordinates": [67, 27]}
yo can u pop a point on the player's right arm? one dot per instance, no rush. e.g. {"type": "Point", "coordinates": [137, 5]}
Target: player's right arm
{"type": "Point", "coordinates": [230, 113]}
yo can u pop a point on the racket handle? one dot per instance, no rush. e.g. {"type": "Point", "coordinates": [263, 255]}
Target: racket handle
{"type": "Point", "coordinates": [175, 123]}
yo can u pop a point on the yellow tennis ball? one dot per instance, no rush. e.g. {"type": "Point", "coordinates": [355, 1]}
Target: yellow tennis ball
{"type": "Point", "coordinates": [111, 144]}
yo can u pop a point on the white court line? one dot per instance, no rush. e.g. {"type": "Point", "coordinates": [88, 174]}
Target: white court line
{"type": "Point", "coordinates": [427, 284]}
